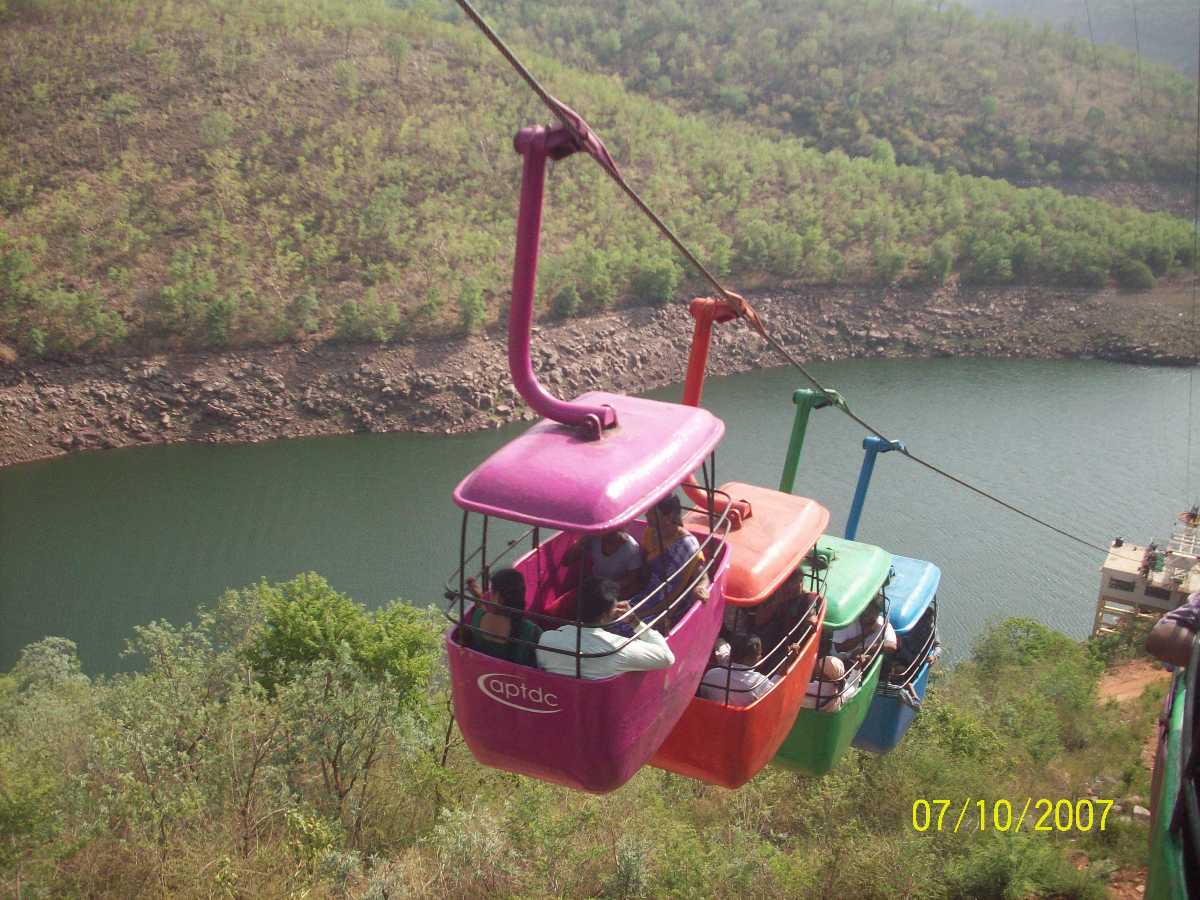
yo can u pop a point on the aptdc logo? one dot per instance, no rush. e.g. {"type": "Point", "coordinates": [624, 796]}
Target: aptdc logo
{"type": "Point", "coordinates": [513, 691]}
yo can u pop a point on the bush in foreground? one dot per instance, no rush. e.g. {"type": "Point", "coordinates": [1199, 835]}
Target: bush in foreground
{"type": "Point", "coordinates": [290, 742]}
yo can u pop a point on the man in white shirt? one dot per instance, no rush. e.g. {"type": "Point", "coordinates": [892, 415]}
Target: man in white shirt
{"type": "Point", "coordinates": [598, 606]}
{"type": "Point", "coordinates": [860, 634]}
{"type": "Point", "coordinates": [745, 684]}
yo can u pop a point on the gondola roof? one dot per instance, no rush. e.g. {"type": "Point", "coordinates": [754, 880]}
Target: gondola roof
{"type": "Point", "coordinates": [558, 477]}
{"type": "Point", "coordinates": [910, 591]}
{"type": "Point", "coordinates": [770, 544]}
{"type": "Point", "coordinates": [853, 578]}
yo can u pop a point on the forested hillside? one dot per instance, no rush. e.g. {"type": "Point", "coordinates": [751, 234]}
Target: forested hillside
{"type": "Point", "coordinates": [221, 173]}
{"type": "Point", "coordinates": [1163, 30]}
{"type": "Point", "coordinates": [1005, 98]}
{"type": "Point", "coordinates": [291, 744]}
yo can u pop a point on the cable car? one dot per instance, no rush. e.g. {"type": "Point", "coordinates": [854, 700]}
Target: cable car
{"type": "Point", "coordinates": [592, 465]}
{"type": "Point", "coordinates": [854, 585]}
{"type": "Point", "coordinates": [912, 612]}
{"type": "Point", "coordinates": [727, 741]}
{"type": "Point", "coordinates": [1174, 867]}
{"type": "Point", "coordinates": [911, 592]}
{"type": "Point", "coordinates": [588, 734]}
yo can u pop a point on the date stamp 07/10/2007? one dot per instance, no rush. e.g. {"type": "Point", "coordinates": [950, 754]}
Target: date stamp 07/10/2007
{"type": "Point", "coordinates": [1030, 814]}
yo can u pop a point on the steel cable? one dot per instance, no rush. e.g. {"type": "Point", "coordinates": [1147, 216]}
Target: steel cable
{"type": "Point", "coordinates": [589, 142]}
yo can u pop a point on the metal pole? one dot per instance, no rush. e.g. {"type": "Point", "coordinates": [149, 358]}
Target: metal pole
{"type": "Point", "coordinates": [873, 446]}
{"type": "Point", "coordinates": [806, 400]}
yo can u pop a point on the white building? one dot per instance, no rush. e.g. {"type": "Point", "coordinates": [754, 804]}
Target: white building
{"type": "Point", "coordinates": [1145, 582]}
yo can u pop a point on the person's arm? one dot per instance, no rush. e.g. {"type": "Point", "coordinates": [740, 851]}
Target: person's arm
{"type": "Point", "coordinates": [793, 651]}
{"type": "Point", "coordinates": [1171, 642]}
{"type": "Point", "coordinates": [648, 651]}
{"type": "Point", "coordinates": [702, 588]}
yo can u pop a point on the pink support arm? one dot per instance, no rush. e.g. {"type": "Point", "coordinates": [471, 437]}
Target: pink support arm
{"type": "Point", "coordinates": [536, 144]}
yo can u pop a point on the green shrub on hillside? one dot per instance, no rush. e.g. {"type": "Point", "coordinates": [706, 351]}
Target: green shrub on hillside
{"type": "Point", "coordinates": [305, 620]}
{"type": "Point", "coordinates": [566, 302]}
{"type": "Point", "coordinates": [657, 279]}
{"type": "Point", "coordinates": [291, 741]}
{"type": "Point", "coordinates": [1135, 275]}
{"type": "Point", "coordinates": [368, 319]}
{"type": "Point", "coordinates": [472, 310]}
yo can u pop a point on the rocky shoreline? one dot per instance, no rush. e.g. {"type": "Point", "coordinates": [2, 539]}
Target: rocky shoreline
{"type": "Point", "coordinates": [462, 384]}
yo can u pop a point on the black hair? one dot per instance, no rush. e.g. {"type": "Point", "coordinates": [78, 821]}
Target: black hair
{"type": "Point", "coordinates": [508, 585]}
{"type": "Point", "coordinates": [745, 647]}
{"type": "Point", "coordinates": [669, 505]}
{"type": "Point", "coordinates": [596, 597]}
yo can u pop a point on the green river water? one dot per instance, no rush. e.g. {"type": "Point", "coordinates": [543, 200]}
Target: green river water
{"type": "Point", "coordinates": [94, 544]}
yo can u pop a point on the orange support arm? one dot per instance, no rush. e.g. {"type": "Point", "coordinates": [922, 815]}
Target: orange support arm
{"type": "Point", "coordinates": [706, 311]}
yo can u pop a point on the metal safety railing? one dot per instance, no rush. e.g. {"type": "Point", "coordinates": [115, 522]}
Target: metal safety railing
{"type": "Point", "coordinates": [855, 674]}
{"type": "Point", "coordinates": [801, 631]}
{"type": "Point", "coordinates": [458, 598]}
{"type": "Point", "coordinates": [896, 681]}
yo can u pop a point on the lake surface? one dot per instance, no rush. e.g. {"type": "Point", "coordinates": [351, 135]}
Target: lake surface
{"type": "Point", "coordinates": [92, 545]}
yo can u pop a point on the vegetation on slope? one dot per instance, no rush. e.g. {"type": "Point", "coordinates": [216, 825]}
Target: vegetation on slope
{"type": "Point", "coordinates": [216, 173]}
{"type": "Point", "coordinates": [291, 743]}
{"type": "Point", "coordinates": [1004, 98]}
{"type": "Point", "coordinates": [1163, 30]}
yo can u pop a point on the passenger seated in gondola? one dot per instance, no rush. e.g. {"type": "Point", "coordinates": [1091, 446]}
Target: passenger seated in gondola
{"type": "Point", "coordinates": [743, 682]}
{"type": "Point", "coordinates": [918, 640]}
{"type": "Point", "coordinates": [614, 555]}
{"type": "Point", "coordinates": [673, 561]}
{"type": "Point", "coordinates": [780, 612]}
{"type": "Point", "coordinates": [840, 671]}
{"type": "Point", "coordinates": [861, 634]}
{"type": "Point", "coordinates": [600, 604]}
{"type": "Point", "coordinates": [498, 617]}
{"type": "Point", "coordinates": [1171, 638]}
{"type": "Point", "coordinates": [830, 688]}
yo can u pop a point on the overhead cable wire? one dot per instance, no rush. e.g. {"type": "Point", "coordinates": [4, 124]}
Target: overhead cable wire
{"type": "Point", "coordinates": [591, 144]}
{"type": "Point", "coordinates": [1137, 43]}
{"type": "Point", "coordinates": [1195, 273]}
{"type": "Point", "coordinates": [1091, 34]}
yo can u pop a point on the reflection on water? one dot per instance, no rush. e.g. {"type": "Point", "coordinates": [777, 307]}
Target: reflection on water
{"type": "Point", "coordinates": [93, 545]}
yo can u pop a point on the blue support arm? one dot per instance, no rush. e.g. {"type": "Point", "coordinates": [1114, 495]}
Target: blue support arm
{"type": "Point", "coordinates": [873, 447]}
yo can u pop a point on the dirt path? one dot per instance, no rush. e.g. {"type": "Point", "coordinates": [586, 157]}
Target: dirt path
{"type": "Point", "coordinates": [1126, 682]}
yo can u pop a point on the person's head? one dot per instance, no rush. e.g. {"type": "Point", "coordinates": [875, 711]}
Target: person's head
{"type": "Point", "coordinates": [832, 668]}
{"type": "Point", "coordinates": [746, 649]}
{"type": "Point", "coordinates": [794, 586]}
{"type": "Point", "coordinates": [597, 597]}
{"type": "Point", "coordinates": [670, 509]}
{"type": "Point", "coordinates": [611, 540]}
{"type": "Point", "coordinates": [508, 588]}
